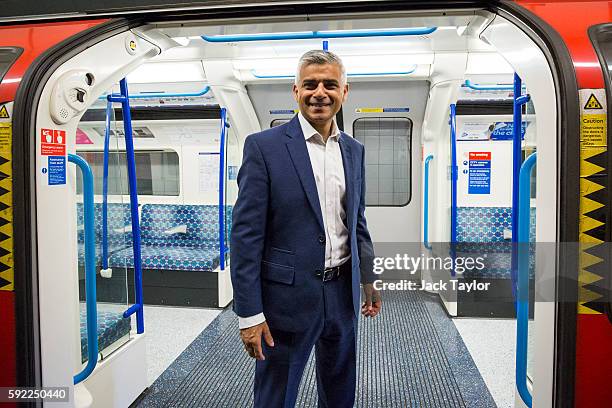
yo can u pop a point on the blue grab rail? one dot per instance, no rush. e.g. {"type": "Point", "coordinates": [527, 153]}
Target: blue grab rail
{"type": "Point", "coordinates": [308, 35]}
{"type": "Point", "coordinates": [454, 177]}
{"type": "Point", "coordinates": [137, 307]}
{"type": "Point", "coordinates": [223, 134]}
{"type": "Point", "coordinates": [426, 204]}
{"type": "Point", "coordinates": [522, 293]}
{"type": "Point", "coordinates": [90, 268]}
{"type": "Point", "coordinates": [166, 95]}
{"type": "Point", "coordinates": [354, 74]}
{"type": "Point", "coordinates": [109, 111]}
{"type": "Point", "coordinates": [519, 101]}
{"type": "Point", "coordinates": [498, 87]}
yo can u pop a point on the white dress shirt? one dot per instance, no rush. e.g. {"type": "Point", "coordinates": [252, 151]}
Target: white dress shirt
{"type": "Point", "coordinates": [328, 171]}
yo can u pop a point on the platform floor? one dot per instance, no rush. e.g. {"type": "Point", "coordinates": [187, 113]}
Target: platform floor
{"type": "Point", "coordinates": [410, 356]}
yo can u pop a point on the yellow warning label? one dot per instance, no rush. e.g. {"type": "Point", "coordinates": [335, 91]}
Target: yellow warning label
{"type": "Point", "coordinates": [593, 185]}
{"type": "Point", "coordinates": [369, 110]}
{"type": "Point", "coordinates": [587, 168]}
{"type": "Point", "coordinates": [6, 133]}
{"type": "Point", "coordinates": [7, 275]}
{"type": "Point", "coordinates": [4, 113]}
{"type": "Point", "coordinates": [593, 130]}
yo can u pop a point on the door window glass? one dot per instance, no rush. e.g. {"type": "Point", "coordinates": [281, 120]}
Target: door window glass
{"type": "Point", "coordinates": [157, 172]}
{"type": "Point", "coordinates": [388, 159]}
{"type": "Point", "coordinates": [8, 55]}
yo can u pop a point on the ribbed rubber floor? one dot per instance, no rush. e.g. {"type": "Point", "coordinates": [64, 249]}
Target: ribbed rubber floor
{"type": "Point", "coordinates": [403, 361]}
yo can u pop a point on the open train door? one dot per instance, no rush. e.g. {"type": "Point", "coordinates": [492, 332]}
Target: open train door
{"type": "Point", "coordinates": [22, 47]}
{"type": "Point", "coordinates": [573, 368]}
{"type": "Point", "coordinates": [51, 73]}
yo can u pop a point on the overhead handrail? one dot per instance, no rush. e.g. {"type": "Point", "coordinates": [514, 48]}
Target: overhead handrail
{"type": "Point", "coordinates": [522, 293]}
{"type": "Point", "coordinates": [137, 307]}
{"type": "Point", "coordinates": [223, 133]}
{"type": "Point", "coordinates": [109, 111]}
{"type": "Point", "coordinates": [90, 268]}
{"type": "Point", "coordinates": [454, 178]}
{"type": "Point", "coordinates": [497, 87]}
{"type": "Point", "coordinates": [146, 95]}
{"type": "Point", "coordinates": [355, 74]}
{"type": "Point", "coordinates": [519, 101]}
{"type": "Point", "coordinates": [426, 204]}
{"type": "Point", "coordinates": [308, 35]}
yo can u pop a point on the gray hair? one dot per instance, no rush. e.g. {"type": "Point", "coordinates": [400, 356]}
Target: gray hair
{"type": "Point", "coordinates": [319, 57]}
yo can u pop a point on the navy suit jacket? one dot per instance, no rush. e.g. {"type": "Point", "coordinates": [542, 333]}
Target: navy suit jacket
{"type": "Point", "coordinates": [277, 237]}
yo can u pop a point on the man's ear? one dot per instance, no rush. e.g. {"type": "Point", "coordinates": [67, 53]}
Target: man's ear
{"type": "Point", "coordinates": [295, 93]}
{"type": "Point", "coordinates": [346, 90]}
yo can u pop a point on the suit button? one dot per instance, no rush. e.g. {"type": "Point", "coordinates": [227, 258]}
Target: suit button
{"type": "Point", "coordinates": [318, 273]}
{"type": "Point", "coordinates": [321, 239]}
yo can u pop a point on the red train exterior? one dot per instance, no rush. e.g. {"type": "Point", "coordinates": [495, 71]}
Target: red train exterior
{"type": "Point", "coordinates": [571, 20]}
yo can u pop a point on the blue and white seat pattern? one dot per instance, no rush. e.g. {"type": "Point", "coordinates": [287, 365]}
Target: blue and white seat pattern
{"type": "Point", "coordinates": [480, 231]}
{"type": "Point", "coordinates": [173, 236]}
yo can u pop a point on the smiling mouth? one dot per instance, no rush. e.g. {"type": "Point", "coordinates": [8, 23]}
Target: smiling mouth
{"type": "Point", "coordinates": [319, 105]}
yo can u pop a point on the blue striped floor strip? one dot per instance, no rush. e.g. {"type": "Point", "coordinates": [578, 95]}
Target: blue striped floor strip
{"type": "Point", "coordinates": [411, 355]}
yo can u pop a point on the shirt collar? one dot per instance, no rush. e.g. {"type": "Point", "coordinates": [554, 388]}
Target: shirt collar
{"type": "Point", "coordinates": [309, 131]}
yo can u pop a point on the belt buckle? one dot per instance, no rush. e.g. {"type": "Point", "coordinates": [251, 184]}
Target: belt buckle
{"type": "Point", "coordinates": [329, 274]}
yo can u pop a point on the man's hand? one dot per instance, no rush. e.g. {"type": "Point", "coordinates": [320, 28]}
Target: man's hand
{"type": "Point", "coordinates": [251, 337]}
{"type": "Point", "coordinates": [373, 303]}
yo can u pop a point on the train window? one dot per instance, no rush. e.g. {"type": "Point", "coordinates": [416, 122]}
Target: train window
{"type": "Point", "coordinates": [387, 144]}
{"type": "Point", "coordinates": [278, 122]}
{"type": "Point", "coordinates": [8, 55]}
{"type": "Point", "coordinates": [138, 132]}
{"type": "Point", "coordinates": [157, 172]}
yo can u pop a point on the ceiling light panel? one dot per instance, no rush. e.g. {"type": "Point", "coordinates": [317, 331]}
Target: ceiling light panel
{"type": "Point", "coordinates": [189, 71]}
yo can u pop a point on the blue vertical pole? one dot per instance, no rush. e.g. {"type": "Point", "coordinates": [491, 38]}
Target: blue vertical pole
{"type": "Point", "coordinates": [131, 167]}
{"type": "Point", "coordinates": [109, 111]}
{"type": "Point", "coordinates": [426, 204]}
{"type": "Point", "coordinates": [454, 177]}
{"type": "Point", "coordinates": [325, 45]}
{"type": "Point", "coordinates": [522, 298]}
{"type": "Point", "coordinates": [516, 156]}
{"type": "Point", "coordinates": [90, 268]}
{"type": "Point", "coordinates": [221, 189]}
{"type": "Point", "coordinates": [517, 122]}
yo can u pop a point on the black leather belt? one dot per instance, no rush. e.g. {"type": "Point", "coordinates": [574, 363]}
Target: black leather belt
{"type": "Point", "coordinates": [329, 274]}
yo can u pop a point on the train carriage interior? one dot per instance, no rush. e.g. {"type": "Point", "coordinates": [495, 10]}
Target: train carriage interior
{"type": "Point", "coordinates": [432, 98]}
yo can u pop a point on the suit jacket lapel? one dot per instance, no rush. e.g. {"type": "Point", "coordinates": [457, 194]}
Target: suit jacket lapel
{"type": "Point", "coordinates": [347, 161]}
{"type": "Point", "coordinates": [301, 160]}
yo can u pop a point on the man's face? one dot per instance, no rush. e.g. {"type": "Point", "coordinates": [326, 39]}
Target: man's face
{"type": "Point", "coordinates": [320, 92]}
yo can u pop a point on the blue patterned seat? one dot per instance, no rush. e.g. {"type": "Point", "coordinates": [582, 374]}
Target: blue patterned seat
{"type": "Point", "coordinates": [118, 218]}
{"type": "Point", "coordinates": [111, 326]}
{"type": "Point", "coordinates": [480, 231]}
{"type": "Point", "coordinates": [179, 258]}
{"type": "Point", "coordinates": [195, 249]}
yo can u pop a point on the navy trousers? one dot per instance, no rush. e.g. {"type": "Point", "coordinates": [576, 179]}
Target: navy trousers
{"type": "Point", "coordinates": [277, 378]}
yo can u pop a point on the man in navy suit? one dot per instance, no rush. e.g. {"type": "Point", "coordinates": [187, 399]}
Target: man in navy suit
{"type": "Point", "coordinates": [301, 246]}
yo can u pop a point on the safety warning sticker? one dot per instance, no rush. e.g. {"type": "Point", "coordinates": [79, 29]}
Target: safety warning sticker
{"type": "Point", "coordinates": [4, 112]}
{"type": "Point", "coordinates": [57, 170]}
{"type": "Point", "coordinates": [593, 202]}
{"type": "Point", "coordinates": [593, 118]}
{"type": "Point", "coordinates": [6, 199]}
{"type": "Point", "coordinates": [6, 136]}
{"type": "Point", "coordinates": [592, 103]}
{"type": "Point", "coordinates": [382, 110]}
{"type": "Point", "coordinates": [52, 142]}
{"type": "Point", "coordinates": [479, 177]}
